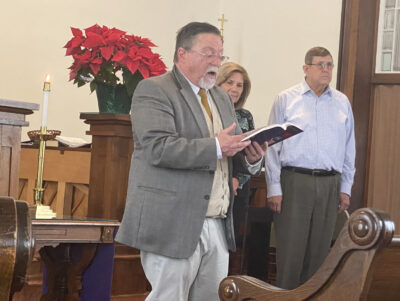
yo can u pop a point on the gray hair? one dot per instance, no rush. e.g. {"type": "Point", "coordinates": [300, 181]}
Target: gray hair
{"type": "Point", "coordinates": [187, 34]}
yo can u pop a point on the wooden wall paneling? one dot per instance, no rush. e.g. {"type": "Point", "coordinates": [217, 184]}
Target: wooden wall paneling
{"type": "Point", "coordinates": [386, 78]}
{"type": "Point", "coordinates": [80, 200]}
{"type": "Point", "coordinates": [64, 168]}
{"type": "Point", "coordinates": [348, 50]}
{"type": "Point", "coordinates": [384, 171]}
{"type": "Point", "coordinates": [60, 165]}
{"type": "Point", "coordinates": [362, 96]}
{"type": "Point", "coordinates": [64, 198]}
{"type": "Point", "coordinates": [375, 104]}
{"type": "Point", "coordinates": [357, 65]}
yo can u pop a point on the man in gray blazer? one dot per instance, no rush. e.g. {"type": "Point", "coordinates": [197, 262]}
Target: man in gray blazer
{"type": "Point", "coordinates": [187, 145]}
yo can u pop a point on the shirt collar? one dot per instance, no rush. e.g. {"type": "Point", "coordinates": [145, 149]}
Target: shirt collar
{"type": "Point", "coordinates": [306, 88]}
{"type": "Point", "coordinates": [193, 86]}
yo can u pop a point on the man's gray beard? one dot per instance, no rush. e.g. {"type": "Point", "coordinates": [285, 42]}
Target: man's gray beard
{"type": "Point", "coordinates": [206, 85]}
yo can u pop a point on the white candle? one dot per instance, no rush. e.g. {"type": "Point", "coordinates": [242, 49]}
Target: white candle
{"type": "Point", "coordinates": [46, 92]}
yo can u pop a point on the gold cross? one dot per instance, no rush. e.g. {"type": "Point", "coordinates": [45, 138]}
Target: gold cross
{"type": "Point", "coordinates": [222, 20]}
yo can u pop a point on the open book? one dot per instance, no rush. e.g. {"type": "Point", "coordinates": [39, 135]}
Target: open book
{"type": "Point", "coordinates": [273, 133]}
{"type": "Point", "coordinates": [72, 141]}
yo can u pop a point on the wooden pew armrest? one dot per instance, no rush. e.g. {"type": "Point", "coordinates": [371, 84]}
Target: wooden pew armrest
{"type": "Point", "coordinates": [344, 275]}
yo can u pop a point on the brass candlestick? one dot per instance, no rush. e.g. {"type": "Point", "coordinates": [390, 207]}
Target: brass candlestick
{"type": "Point", "coordinates": [42, 211]}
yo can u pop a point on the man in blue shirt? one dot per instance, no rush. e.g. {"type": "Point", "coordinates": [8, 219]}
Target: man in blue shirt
{"type": "Point", "coordinates": [309, 176]}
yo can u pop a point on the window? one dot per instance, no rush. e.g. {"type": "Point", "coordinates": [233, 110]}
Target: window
{"type": "Point", "coordinates": [388, 52]}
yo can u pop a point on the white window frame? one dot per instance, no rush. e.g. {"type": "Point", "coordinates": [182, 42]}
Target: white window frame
{"type": "Point", "coordinates": [381, 30]}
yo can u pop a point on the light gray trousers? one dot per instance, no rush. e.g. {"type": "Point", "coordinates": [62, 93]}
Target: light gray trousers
{"type": "Point", "coordinates": [196, 278]}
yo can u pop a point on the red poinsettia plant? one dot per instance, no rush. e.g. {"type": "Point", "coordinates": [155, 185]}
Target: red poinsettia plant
{"type": "Point", "coordinates": [111, 56]}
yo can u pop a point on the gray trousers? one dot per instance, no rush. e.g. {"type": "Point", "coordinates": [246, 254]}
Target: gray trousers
{"type": "Point", "coordinates": [305, 226]}
{"type": "Point", "coordinates": [195, 278]}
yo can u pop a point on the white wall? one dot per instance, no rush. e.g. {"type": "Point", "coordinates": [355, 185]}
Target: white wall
{"type": "Point", "coordinates": [268, 37]}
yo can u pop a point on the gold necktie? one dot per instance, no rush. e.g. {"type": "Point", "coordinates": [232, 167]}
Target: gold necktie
{"type": "Point", "coordinates": [204, 102]}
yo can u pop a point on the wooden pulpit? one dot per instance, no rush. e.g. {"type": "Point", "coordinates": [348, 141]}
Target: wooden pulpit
{"type": "Point", "coordinates": [12, 118]}
{"type": "Point", "coordinates": [112, 147]}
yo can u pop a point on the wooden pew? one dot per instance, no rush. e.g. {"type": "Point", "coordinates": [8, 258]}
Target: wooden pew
{"type": "Point", "coordinates": [363, 264]}
{"type": "Point", "coordinates": [16, 245]}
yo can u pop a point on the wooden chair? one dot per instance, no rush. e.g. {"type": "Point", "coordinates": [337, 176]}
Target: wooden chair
{"type": "Point", "coordinates": [16, 245]}
{"type": "Point", "coordinates": [363, 264]}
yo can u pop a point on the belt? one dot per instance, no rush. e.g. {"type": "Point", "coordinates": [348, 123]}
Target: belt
{"type": "Point", "coordinates": [312, 172]}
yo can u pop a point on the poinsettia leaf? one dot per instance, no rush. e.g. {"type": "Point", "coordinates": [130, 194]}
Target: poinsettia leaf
{"type": "Point", "coordinates": [77, 41]}
{"type": "Point", "coordinates": [145, 52]}
{"type": "Point", "coordinates": [156, 65]}
{"type": "Point", "coordinates": [95, 68]}
{"type": "Point", "coordinates": [95, 28]}
{"type": "Point", "coordinates": [108, 68]}
{"type": "Point", "coordinates": [80, 83]}
{"type": "Point", "coordinates": [97, 60]}
{"type": "Point", "coordinates": [106, 52]}
{"type": "Point", "coordinates": [131, 80]}
{"type": "Point", "coordinates": [72, 75]}
{"type": "Point", "coordinates": [133, 53]}
{"type": "Point", "coordinates": [112, 38]}
{"type": "Point", "coordinates": [119, 56]}
{"type": "Point", "coordinates": [158, 69]}
{"type": "Point", "coordinates": [132, 66]}
{"type": "Point", "coordinates": [93, 86]}
{"type": "Point", "coordinates": [144, 70]}
{"type": "Point", "coordinates": [143, 41]}
{"type": "Point", "coordinates": [76, 32]}
{"type": "Point", "coordinates": [117, 31]}
{"type": "Point", "coordinates": [72, 50]}
{"type": "Point", "coordinates": [68, 44]}
{"type": "Point", "coordinates": [93, 40]}
{"type": "Point", "coordinates": [84, 57]}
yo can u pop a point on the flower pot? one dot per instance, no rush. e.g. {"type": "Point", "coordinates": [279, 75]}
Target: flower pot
{"type": "Point", "coordinates": [113, 99]}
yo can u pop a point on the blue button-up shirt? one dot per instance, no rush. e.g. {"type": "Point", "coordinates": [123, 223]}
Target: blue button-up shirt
{"type": "Point", "coordinates": [327, 141]}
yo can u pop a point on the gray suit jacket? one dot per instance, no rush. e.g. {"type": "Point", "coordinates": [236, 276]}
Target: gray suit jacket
{"type": "Point", "coordinates": [172, 167]}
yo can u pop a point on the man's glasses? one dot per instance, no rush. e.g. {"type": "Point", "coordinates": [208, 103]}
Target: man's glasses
{"type": "Point", "coordinates": [322, 65]}
{"type": "Point", "coordinates": [211, 57]}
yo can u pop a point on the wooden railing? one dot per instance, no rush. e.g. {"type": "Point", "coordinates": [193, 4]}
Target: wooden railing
{"type": "Point", "coordinates": [66, 176]}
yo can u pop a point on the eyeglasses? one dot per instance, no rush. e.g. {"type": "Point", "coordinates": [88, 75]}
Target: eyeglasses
{"type": "Point", "coordinates": [322, 65]}
{"type": "Point", "coordinates": [211, 57]}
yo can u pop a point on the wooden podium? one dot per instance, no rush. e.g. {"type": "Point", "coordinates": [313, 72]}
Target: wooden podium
{"type": "Point", "coordinates": [12, 118]}
{"type": "Point", "coordinates": [112, 147]}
